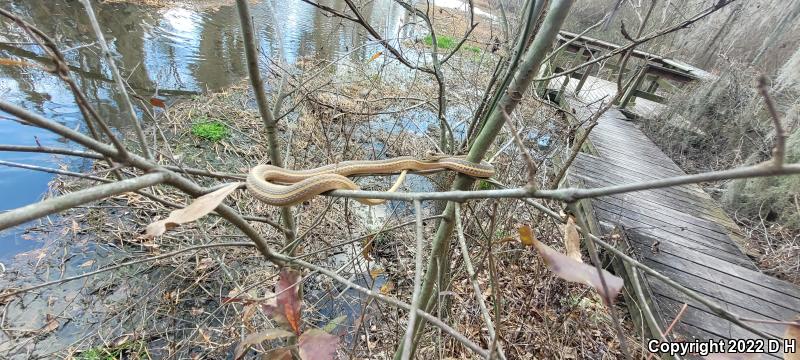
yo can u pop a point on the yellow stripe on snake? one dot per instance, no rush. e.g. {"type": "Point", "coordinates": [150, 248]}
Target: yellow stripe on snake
{"type": "Point", "coordinates": [283, 187]}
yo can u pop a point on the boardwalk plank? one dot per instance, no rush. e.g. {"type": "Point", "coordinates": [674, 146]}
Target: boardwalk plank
{"type": "Point", "coordinates": [697, 244]}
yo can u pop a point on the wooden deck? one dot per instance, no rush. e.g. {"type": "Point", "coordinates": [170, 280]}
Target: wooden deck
{"type": "Point", "coordinates": [680, 232]}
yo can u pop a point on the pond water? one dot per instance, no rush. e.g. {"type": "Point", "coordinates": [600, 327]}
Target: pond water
{"type": "Point", "coordinates": [181, 49]}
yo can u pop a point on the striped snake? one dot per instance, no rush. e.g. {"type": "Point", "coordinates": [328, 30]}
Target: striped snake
{"type": "Point", "coordinates": [283, 187]}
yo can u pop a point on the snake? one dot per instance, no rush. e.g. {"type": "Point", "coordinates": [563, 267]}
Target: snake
{"type": "Point", "coordinates": [281, 187]}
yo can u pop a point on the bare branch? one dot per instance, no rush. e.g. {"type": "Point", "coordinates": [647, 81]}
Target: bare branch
{"type": "Point", "coordinates": [123, 92]}
{"type": "Point", "coordinates": [118, 266]}
{"type": "Point", "coordinates": [487, 318]}
{"type": "Point", "coordinates": [63, 202]}
{"type": "Point", "coordinates": [389, 300]}
{"type": "Point", "coordinates": [779, 153]}
{"type": "Point", "coordinates": [572, 194]}
{"type": "Point", "coordinates": [412, 316]}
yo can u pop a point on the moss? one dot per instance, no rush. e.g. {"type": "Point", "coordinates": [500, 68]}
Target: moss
{"type": "Point", "coordinates": [485, 185]}
{"type": "Point", "coordinates": [211, 130]}
{"type": "Point", "coordinates": [442, 41]}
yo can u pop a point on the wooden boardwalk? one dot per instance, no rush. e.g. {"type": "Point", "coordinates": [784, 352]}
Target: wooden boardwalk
{"type": "Point", "coordinates": [680, 231]}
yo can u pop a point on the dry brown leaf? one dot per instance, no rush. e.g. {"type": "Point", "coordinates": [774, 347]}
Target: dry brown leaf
{"type": "Point", "coordinates": [206, 338]}
{"type": "Point", "coordinates": [572, 240]}
{"type": "Point", "coordinates": [374, 273]}
{"type": "Point", "coordinates": [793, 335]}
{"type": "Point", "coordinates": [257, 338]}
{"type": "Point", "coordinates": [158, 103]}
{"type": "Point", "coordinates": [375, 56]}
{"type": "Point", "coordinates": [52, 325]}
{"type": "Point", "coordinates": [197, 209]}
{"type": "Point", "coordinates": [568, 269]}
{"type": "Point", "coordinates": [387, 288]}
{"type": "Point", "coordinates": [367, 249]}
{"type": "Point", "coordinates": [526, 235]}
{"type": "Point", "coordinates": [21, 63]}
{"type": "Point", "coordinates": [248, 312]}
{"type": "Point", "coordinates": [288, 297]}
{"type": "Point", "coordinates": [75, 227]}
{"type": "Point", "coordinates": [86, 264]}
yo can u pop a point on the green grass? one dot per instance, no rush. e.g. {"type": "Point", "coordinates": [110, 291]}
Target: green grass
{"type": "Point", "coordinates": [447, 42]}
{"type": "Point", "coordinates": [472, 48]}
{"type": "Point", "coordinates": [211, 130]}
{"type": "Point", "coordinates": [442, 41]}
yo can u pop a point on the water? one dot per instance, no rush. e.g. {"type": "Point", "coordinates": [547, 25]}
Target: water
{"type": "Point", "coordinates": [178, 50]}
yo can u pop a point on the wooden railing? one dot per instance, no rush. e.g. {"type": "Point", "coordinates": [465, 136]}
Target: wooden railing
{"type": "Point", "coordinates": [652, 71]}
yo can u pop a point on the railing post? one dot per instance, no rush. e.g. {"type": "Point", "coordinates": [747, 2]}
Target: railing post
{"type": "Point", "coordinates": [568, 77]}
{"type": "Point", "coordinates": [653, 86]}
{"type": "Point", "coordinates": [586, 72]}
{"type": "Point", "coordinates": [547, 69]}
{"type": "Point", "coordinates": [631, 90]}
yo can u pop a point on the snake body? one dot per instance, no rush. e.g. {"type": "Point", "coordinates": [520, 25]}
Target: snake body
{"type": "Point", "coordinates": [283, 187]}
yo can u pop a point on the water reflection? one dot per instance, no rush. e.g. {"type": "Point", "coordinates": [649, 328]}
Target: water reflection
{"type": "Point", "coordinates": [178, 50]}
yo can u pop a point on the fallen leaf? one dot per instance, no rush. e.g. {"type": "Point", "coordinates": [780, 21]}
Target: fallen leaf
{"type": "Point", "coordinates": [526, 235]}
{"type": "Point", "coordinates": [572, 240]}
{"type": "Point", "coordinates": [196, 311]}
{"type": "Point", "coordinates": [288, 298]}
{"type": "Point", "coordinates": [121, 340]}
{"type": "Point", "coordinates": [374, 273]}
{"type": "Point", "coordinates": [158, 103]}
{"type": "Point", "coordinates": [248, 313]}
{"type": "Point", "coordinates": [366, 251]}
{"type": "Point", "coordinates": [12, 62]}
{"type": "Point", "coordinates": [88, 263]}
{"type": "Point", "coordinates": [257, 338]}
{"type": "Point", "coordinates": [792, 335]}
{"type": "Point", "coordinates": [568, 269]}
{"type": "Point", "coordinates": [333, 324]}
{"type": "Point", "coordinates": [375, 56]}
{"type": "Point", "coordinates": [203, 264]}
{"type": "Point", "coordinates": [387, 288]}
{"type": "Point", "coordinates": [206, 338]}
{"type": "Point", "coordinates": [52, 325]}
{"type": "Point", "coordinates": [75, 227]}
{"type": "Point", "coordinates": [197, 209]}
{"type": "Point", "coordinates": [316, 344]}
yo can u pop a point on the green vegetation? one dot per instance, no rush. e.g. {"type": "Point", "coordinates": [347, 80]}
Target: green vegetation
{"type": "Point", "coordinates": [485, 185]}
{"type": "Point", "coordinates": [211, 130]}
{"type": "Point", "coordinates": [448, 42]}
{"type": "Point", "coordinates": [128, 350]}
{"type": "Point", "coordinates": [442, 41]}
{"type": "Point", "coordinates": [472, 48]}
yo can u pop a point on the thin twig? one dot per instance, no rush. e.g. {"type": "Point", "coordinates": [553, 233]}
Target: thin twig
{"type": "Point", "coordinates": [779, 153]}
{"type": "Point", "coordinates": [412, 317]}
{"type": "Point", "coordinates": [123, 91]}
{"type": "Point", "coordinates": [476, 288]}
{"type": "Point", "coordinates": [118, 266]}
